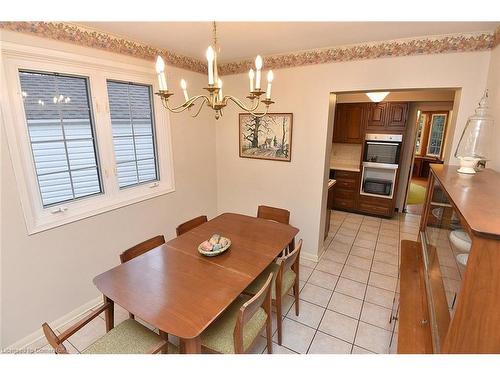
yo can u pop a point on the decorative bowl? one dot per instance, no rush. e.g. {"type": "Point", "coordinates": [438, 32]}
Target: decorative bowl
{"type": "Point", "coordinates": [212, 253]}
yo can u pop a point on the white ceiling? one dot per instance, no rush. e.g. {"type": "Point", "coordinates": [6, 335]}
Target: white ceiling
{"type": "Point", "coordinates": [241, 40]}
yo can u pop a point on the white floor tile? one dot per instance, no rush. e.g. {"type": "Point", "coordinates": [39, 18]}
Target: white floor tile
{"type": "Point", "coordinates": [356, 274]}
{"type": "Point", "coordinates": [373, 338]}
{"type": "Point", "coordinates": [339, 325]}
{"type": "Point", "coordinates": [296, 336]}
{"type": "Point", "coordinates": [315, 294]}
{"type": "Point", "coordinates": [323, 279]}
{"type": "Point", "coordinates": [377, 315]}
{"type": "Point", "coordinates": [325, 344]}
{"type": "Point", "coordinates": [345, 305]}
{"type": "Point", "coordinates": [329, 266]}
{"type": "Point", "coordinates": [382, 281]}
{"type": "Point", "coordinates": [309, 314]}
{"type": "Point", "coordinates": [379, 296]}
{"type": "Point", "coordinates": [351, 288]}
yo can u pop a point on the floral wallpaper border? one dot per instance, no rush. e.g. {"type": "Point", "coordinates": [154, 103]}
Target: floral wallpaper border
{"type": "Point", "coordinates": [395, 48]}
{"type": "Point", "coordinates": [402, 47]}
{"type": "Point", "coordinates": [496, 41]}
{"type": "Point", "coordinates": [90, 38]}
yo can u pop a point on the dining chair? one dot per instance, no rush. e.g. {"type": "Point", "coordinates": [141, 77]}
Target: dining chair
{"type": "Point", "coordinates": [190, 224]}
{"type": "Point", "coordinates": [240, 324]}
{"type": "Point", "coordinates": [129, 337]}
{"type": "Point", "coordinates": [140, 249]}
{"type": "Point", "coordinates": [286, 272]}
{"type": "Point", "coordinates": [275, 214]}
{"type": "Point", "coordinates": [279, 215]}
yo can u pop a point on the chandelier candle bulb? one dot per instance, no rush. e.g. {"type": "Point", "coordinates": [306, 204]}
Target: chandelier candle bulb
{"type": "Point", "coordinates": [251, 76]}
{"type": "Point", "coordinates": [258, 67]}
{"type": "Point", "coordinates": [184, 89]}
{"type": "Point", "coordinates": [210, 60]}
{"type": "Point", "coordinates": [160, 70]}
{"type": "Point", "coordinates": [270, 77]}
{"type": "Point", "coordinates": [219, 85]}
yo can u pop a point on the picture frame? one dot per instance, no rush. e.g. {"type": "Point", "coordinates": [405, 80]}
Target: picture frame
{"type": "Point", "coordinates": [268, 137]}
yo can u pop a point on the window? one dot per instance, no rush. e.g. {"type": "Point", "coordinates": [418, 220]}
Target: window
{"type": "Point", "coordinates": [83, 134]}
{"type": "Point", "coordinates": [422, 118]}
{"type": "Point", "coordinates": [436, 135]}
{"type": "Point", "coordinates": [133, 132]}
{"type": "Point", "coordinates": [431, 131]}
{"type": "Point", "coordinates": [60, 127]}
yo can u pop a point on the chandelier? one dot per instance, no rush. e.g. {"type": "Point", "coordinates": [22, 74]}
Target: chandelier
{"type": "Point", "coordinates": [215, 99]}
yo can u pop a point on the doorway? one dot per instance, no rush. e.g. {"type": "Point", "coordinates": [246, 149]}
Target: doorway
{"type": "Point", "coordinates": [430, 137]}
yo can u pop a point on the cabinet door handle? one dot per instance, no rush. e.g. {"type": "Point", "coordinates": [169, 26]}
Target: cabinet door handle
{"type": "Point", "coordinates": [424, 321]}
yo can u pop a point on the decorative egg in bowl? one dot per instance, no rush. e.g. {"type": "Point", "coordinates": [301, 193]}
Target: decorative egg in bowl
{"type": "Point", "coordinates": [214, 246]}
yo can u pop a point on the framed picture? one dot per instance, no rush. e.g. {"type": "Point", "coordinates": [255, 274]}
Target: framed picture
{"type": "Point", "coordinates": [268, 137]}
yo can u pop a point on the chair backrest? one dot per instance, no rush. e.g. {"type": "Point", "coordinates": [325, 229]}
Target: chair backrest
{"type": "Point", "coordinates": [291, 260]}
{"type": "Point", "coordinates": [249, 308]}
{"type": "Point", "coordinates": [272, 213]}
{"type": "Point", "coordinates": [188, 225]}
{"type": "Point", "coordinates": [142, 248]}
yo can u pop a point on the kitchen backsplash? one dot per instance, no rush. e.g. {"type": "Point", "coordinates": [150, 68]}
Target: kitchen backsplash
{"type": "Point", "coordinates": [346, 153]}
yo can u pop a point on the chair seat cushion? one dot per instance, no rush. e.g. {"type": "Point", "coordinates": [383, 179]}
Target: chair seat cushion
{"type": "Point", "coordinates": [129, 337]}
{"type": "Point", "coordinates": [219, 335]}
{"type": "Point", "coordinates": [258, 283]}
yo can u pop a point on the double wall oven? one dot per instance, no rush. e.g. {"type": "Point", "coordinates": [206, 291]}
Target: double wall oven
{"type": "Point", "coordinates": [380, 164]}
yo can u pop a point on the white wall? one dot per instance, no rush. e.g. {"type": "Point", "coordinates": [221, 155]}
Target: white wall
{"type": "Point", "coordinates": [245, 183]}
{"type": "Point", "coordinates": [47, 275]}
{"type": "Point", "coordinates": [494, 95]}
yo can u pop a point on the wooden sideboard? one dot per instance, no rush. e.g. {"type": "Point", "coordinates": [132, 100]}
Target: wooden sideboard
{"type": "Point", "coordinates": [447, 307]}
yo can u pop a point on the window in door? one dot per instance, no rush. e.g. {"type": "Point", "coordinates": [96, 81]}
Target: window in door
{"type": "Point", "coordinates": [431, 132]}
{"type": "Point", "coordinates": [436, 134]}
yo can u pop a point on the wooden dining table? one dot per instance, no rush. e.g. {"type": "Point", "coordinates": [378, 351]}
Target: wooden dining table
{"type": "Point", "coordinates": [181, 292]}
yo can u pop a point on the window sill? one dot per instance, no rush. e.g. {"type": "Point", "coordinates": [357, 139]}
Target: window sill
{"type": "Point", "coordinates": [73, 212]}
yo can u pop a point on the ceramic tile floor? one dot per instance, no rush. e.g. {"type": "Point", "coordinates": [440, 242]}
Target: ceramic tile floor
{"type": "Point", "coordinates": [346, 298]}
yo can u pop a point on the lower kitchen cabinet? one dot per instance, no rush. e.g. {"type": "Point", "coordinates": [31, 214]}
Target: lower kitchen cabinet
{"type": "Point", "coordinates": [375, 206]}
{"type": "Point", "coordinates": [345, 190]}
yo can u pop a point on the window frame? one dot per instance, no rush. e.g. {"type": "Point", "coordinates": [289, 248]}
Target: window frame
{"type": "Point", "coordinates": [443, 135]}
{"type": "Point", "coordinates": [17, 58]}
{"type": "Point", "coordinates": [93, 132]}
{"type": "Point", "coordinates": [154, 135]}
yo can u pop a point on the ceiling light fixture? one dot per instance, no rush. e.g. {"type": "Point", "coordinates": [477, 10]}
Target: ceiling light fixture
{"type": "Point", "coordinates": [215, 99]}
{"type": "Point", "coordinates": [377, 96]}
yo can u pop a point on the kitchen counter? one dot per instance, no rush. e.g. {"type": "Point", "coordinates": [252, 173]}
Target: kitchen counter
{"type": "Point", "coordinates": [342, 166]}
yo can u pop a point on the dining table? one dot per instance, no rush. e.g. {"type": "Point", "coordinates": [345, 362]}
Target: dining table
{"type": "Point", "coordinates": [180, 291]}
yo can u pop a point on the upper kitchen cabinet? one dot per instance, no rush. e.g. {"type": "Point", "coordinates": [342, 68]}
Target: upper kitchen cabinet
{"type": "Point", "coordinates": [349, 126]}
{"type": "Point", "coordinates": [387, 117]}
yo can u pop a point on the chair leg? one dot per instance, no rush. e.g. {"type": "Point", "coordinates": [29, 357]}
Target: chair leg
{"type": "Point", "coordinates": [269, 333]}
{"type": "Point", "coordinates": [296, 295]}
{"type": "Point", "coordinates": [279, 317]}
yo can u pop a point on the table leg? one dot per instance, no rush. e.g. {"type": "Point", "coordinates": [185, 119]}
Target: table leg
{"type": "Point", "coordinates": [190, 346]}
{"type": "Point", "coordinates": [109, 314]}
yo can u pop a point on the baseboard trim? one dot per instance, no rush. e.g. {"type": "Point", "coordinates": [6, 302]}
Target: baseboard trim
{"type": "Point", "coordinates": [309, 256]}
{"type": "Point", "coordinates": [56, 324]}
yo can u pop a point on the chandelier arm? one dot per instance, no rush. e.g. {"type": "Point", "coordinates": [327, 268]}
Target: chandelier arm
{"type": "Point", "coordinates": [187, 104]}
{"type": "Point", "coordinates": [200, 107]}
{"type": "Point", "coordinates": [240, 104]}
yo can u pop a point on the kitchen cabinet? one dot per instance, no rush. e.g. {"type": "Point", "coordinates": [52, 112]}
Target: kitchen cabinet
{"type": "Point", "coordinates": [346, 190]}
{"type": "Point", "coordinates": [375, 205]}
{"type": "Point", "coordinates": [387, 117]}
{"type": "Point", "coordinates": [329, 206]}
{"type": "Point", "coordinates": [349, 125]}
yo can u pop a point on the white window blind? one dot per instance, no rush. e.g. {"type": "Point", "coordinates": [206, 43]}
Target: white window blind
{"type": "Point", "coordinates": [134, 143]}
{"type": "Point", "coordinates": [60, 127]}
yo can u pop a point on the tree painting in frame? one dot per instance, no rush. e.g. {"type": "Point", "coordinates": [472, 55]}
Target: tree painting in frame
{"type": "Point", "coordinates": [268, 137]}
